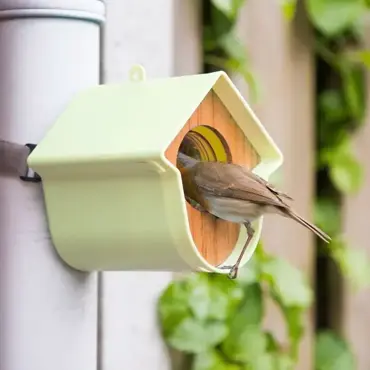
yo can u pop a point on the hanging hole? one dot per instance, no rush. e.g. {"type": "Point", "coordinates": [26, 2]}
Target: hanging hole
{"type": "Point", "coordinates": [137, 73]}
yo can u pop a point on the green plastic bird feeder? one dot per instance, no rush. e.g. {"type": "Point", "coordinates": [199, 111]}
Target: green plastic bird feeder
{"type": "Point", "coordinates": [114, 197]}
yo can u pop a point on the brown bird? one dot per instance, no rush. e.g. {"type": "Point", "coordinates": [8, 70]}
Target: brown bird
{"type": "Point", "coordinates": [233, 193]}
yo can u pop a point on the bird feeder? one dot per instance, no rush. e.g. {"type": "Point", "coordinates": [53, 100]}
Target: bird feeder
{"type": "Point", "coordinates": [113, 192]}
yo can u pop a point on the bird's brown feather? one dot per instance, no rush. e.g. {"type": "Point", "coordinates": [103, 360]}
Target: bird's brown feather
{"type": "Point", "coordinates": [215, 181]}
{"type": "Point", "coordinates": [205, 180]}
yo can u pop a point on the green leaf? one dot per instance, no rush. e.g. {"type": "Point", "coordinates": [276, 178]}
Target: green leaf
{"type": "Point", "coordinates": [233, 47]}
{"type": "Point", "coordinates": [225, 296]}
{"type": "Point", "coordinates": [332, 17]}
{"type": "Point", "coordinates": [246, 344]}
{"type": "Point", "coordinates": [327, 216]}
{"type": "Point", "coordinates": [354, 91]}
{"type": "Point", "coordinates": [358, 29]}
{"type": "Point", "coordinates": [333, 117]}
{"type": "Point", "coordinates": [195, 336]}
{"type": "Point", "coordinates": [236, 66]}
{"type": "Point", "coordinates": [253, 88]}
{"type": "Point", "coordinates": [264, 361]}
{"type": "Point", "coordinates": [238, 61]}
{"type": "Point", "coordinates": [331, 108]}
{"type": "Point", "coordinates": [288, 283]}
{"type": "Point", "coordinates": [242, 68]}
{"type": "Point", "coordinates": [271, 361]}
{"type": "Point", "coordinates": [199, 295]}
{"type": "Point", "coordinates": [220, 22]}
{"type": "Point", "coordinates": [346, 172]}
{"type": "Point", "coordinates": [249, 313]}
{"type": "Point", "coordinates": [362, 56]}
{"type": "Point", "coordinates": [283, 362]}
{"type": "Point", "coordinates": [325, 51]}
{"type": "Point", "coordinates": [294, 321]}
{"type": "Point", "coordinates": [173, 306]}
{"type": "Point", "coordinates": [354, 263]}
{"type": "Point", "coordinates": [332, 353]}
{"type": "Point", "coordinates": [291, 292]}
{"type": "Point", "coordinates": [253, 305]}
{"type": "Point", "coordinates": [212, 360]}
{"type": "Point", "coordinates": [229, 7]}
{"type": "Point", "coordinates": [342, 147]}
{"type": "Point", "coordinates": [209, 39]}
{"type": "Point", "coordinates": [250, 273]}
{"type": "Point", "coordinates": [272, 343]}
{"type": "Point", "coordinates": [289, 8]}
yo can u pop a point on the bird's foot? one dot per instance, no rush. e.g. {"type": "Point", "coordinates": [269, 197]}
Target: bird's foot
{"type": "Point", "coordinates": [233, 273]}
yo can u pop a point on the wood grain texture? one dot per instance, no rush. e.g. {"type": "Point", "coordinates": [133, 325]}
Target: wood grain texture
{"type": "Point", "coordinates": [215, 238]}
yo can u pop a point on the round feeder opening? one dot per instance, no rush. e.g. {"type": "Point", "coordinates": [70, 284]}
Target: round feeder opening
{"type": "Point", "coordinates": [214, 238]}
{"type": "Point", "coordinates": [207, 144]}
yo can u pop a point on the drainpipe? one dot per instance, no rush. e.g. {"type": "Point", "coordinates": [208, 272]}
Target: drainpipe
{"type": "Point", "coordinates": [49, 50]}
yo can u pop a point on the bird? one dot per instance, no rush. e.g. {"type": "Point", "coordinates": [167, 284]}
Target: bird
{"type": "Point", "coordinates": [232, 192]}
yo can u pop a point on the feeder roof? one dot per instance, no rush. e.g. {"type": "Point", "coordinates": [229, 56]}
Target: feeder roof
{"type": "Point", "coordinates": [139, 119]}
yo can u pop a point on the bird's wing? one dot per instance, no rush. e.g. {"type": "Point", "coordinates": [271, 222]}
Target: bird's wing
{"type": "Point", "coordinates": [277, 192]}
{"type": "Point", "coordinates": [233, 181]}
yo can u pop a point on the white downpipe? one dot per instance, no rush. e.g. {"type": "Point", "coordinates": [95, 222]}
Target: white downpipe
{"type": "Point", "coordinates": [49, 50]}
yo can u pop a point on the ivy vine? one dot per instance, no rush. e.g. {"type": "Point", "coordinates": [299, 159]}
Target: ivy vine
{"type": "Point", "coordinates": [218, 323]}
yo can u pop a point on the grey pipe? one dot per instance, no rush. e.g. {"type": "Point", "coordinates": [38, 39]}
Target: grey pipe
{"type": "Point", "coordinates": [49, 50]}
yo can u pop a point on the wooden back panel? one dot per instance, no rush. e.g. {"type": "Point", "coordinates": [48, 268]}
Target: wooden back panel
{"type": "Point", "coordinates": [215, 238]}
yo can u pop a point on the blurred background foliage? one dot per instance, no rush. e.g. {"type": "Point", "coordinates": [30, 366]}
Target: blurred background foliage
{"type": "Point", "coordinates": [218, 323]}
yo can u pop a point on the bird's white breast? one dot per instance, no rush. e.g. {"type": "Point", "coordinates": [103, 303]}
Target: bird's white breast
{"type": "Point", "coordinates": [234, 210]}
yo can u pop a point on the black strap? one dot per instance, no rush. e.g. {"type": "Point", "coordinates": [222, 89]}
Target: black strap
{"type": "Point", "coordinates": [13, 161]}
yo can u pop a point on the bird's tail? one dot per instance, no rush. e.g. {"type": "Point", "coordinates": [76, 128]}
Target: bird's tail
{"type": "Point", "coordinates": [326, 238]}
